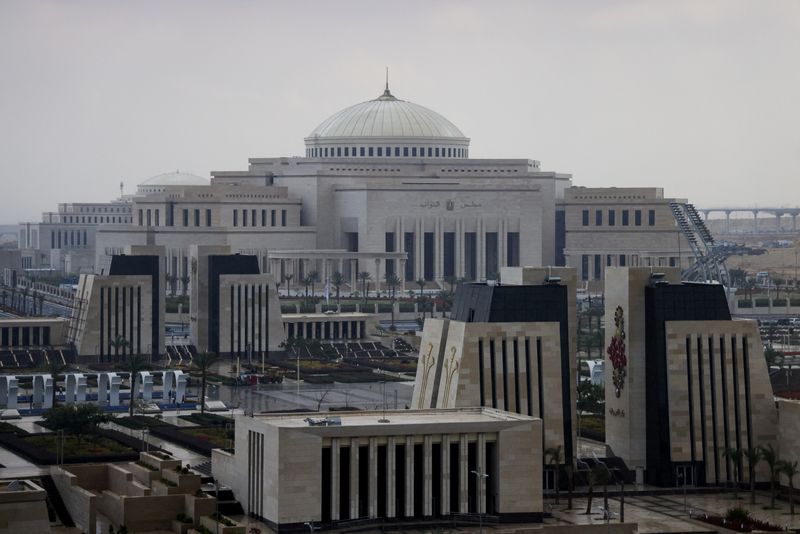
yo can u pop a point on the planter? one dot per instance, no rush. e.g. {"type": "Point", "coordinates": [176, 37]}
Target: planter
{"type": "Point", "coordinates": [179, 527]}
{"type": "Point", "coordinates": [143, 474]}
{"type": "Point", "coordinates": [212, 525]}
{"type": "Point", "coordinates": [158, 462]}
{"type": "Point", "coordinates": [187, 483]}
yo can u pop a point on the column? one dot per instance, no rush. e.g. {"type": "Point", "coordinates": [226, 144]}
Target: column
{"type": "Point", "coordinates": [459, 248]}
{"type": "Point", "coordinates": [445, 460]}
{"type": "Point", "coordinates": [463, 475]}
{"type": "Point", "coordinates": [372, 507]}
{"type": "Point", "coordinates": [354, 478]}
{"type": "Point", "coordinates": [427, 476]}
{"type": "Point", "coordinates": [391, 465]}
{"type": "Point", "coordinates": [419, 237]}
{"type": "Point", "coordinates": [481, 253]}
{"type": "Point", "coordinates": [353, 273]}
{"type": "Point", "coordinates": [502, 240]}
{"type": "Point", "coordinates": [402, 275]}
{"type": "Point", "coordinates": [437, 249]}
{"type": "Point", "coordinates": [335, 479]}
{"type": "Point", "coordinates": [377, 275]}
{"type": "Point", "coordinates": [409, 511]}
{"type": "Point", "coordinates": [481, 486]}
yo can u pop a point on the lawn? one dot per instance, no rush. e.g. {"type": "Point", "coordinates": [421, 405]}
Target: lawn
{"type": "Point", "coordinates": [86, 446]}
{"type": "Point", "coordinates": [217, 437]}
{"type": "Point", "coordinates": [139, 422]}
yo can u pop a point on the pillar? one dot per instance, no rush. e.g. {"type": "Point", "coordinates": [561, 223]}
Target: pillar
{"type": "Point", "coordinates": [334, 479]}
{"type": "Point", "coordinates": [481, 485]}
{"type": "Point", "coordinates": [372, 506]}
{"type": "Point", "coordinates": [354, 478]}
{"type": "Point", "coordinates": [353, 273]}
{"type": "Point", "coordinates": [463, 475]}
{"type": "Point", "coordinates": [402, 275]}
{"type": "Point", "coordinates": [377, 275]}
{"type": "Point", "coordinates": [391, 466]}
{"type": "Point", "coordinates": [427, 476]}
{"type": "Point", "coordinates": [409, 511]}
{"type": "Point", "coordinates": [445, 487]}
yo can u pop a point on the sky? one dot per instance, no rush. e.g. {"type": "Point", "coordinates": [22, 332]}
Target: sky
{"type": "Point", "coordinates": [699, 97]}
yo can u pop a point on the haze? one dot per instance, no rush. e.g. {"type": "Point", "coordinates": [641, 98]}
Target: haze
{"type": "Point", "coordinates": [700, 98]}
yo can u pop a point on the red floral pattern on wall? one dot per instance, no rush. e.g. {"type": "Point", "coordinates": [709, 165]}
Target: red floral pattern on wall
{"type": "Point", "coordinates": [616, 352]}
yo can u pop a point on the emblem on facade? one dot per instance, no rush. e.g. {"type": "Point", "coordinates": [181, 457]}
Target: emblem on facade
{"type": "Point", "coordinates": [616, 352]}
{"type": "Point", "coordinates": [450, 205]}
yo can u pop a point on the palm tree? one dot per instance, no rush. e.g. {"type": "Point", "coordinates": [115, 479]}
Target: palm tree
{"type": "Point", "coordinates": [392, 281]}
{"type": "Point", "coordinates": [364, 276]}
{"type": "Point", "coordinates": [553, 458]}
{"type": "Point", "coordinates": [172, 280]}
{"type": "Point", "coordinates": [203, 362]}
{"type": "Point", "coordinates": [598, 476]}
{"type": "Point", "coordinates": [133, 366]}
{"type": "Point", "coordinates": [753, 455]}
{"type": "Point", "coordinates": [734, 455]}
{"type": "Point", "coordinates": [118, 343]}
{"type": "Point", "coordinates": [770, 456]}
{"type": "Point", "coordinates": [314, 278]}
{"type": "Point", "coordinates": [790, 470]}
{"type": "Point", "coordinates": [337, 281]}
{"type": "Point", "coordinates": [287, 278]}
{"type": "Point", "coordinates": [306, 282]}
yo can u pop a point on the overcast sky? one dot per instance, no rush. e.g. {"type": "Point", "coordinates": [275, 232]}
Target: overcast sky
{"type": "Point", "coordinates": [701, 98]}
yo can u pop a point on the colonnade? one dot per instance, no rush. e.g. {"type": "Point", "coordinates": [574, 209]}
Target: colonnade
{"type": "Point", "coordinates": [450, 466]}
{"type": "Point", "coordinates": [301, 262]}
{"type": "Point", "coordinates": [329, 329]}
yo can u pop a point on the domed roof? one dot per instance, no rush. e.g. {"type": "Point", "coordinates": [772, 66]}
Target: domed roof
{"type": "Point", "coordinates": [174, 178]}
{"type": "Point", "coordinates": [386, 117]}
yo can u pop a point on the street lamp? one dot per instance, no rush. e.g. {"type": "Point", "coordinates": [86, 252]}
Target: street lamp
{"type": "Point", "coordinates": [480, 477]}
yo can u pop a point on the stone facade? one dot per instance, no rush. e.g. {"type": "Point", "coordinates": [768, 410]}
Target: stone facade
{"type": "Point", "coordinates": [416, 464]}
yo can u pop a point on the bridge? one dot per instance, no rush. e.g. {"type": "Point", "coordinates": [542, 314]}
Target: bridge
{"type": "Point", "coordinates": [755, 211]}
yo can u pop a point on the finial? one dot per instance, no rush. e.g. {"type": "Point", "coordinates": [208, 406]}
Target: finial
{"type": "Point", "coordinates": [387, 79]}
{"type": "Point", "coordinates": [386, 94]}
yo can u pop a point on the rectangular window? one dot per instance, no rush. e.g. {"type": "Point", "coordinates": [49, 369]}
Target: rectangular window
{"type": "Point", "coordinates": [436, 152]}
{"type": "Point", "coordinates": [405, 151]}
{"type": "Point", "coordinates": [622, 260]}
{"type": "Point", "coordinates": [272, 218]}
{"type": "Point", "coordinates": [339, 151]}
{"type": "Point", "coordinates": [637, 217]}
{"type": "Point", "coordinates": [449, 253]}
{"type": "Point", "coordinates": [197, 217]}
{"type": "Point", "coordinates": [612, 217]}
{"type": "Point", "coordinates": [353, 151]}
{"type": "Point", "coordinates": [624, 217]}
{"type": "Point", "coordinates": [253, 220]}
{"type": "Point", "coordinates": [490, 256]}
{"type": "Point", "coordinates": [586, 217]}
{"type": "Point", "coordinates": [430, 152]}
{"type": "Point", "coordinates": [380, 151]}
{"type": "Point", "coordinates": [283, 217]}
{"type": "Point", "coordinates": [149, 218]}
{"type": "Point", "coordinates": [244, 217]}
{"type": "Point", "coordinates": [651, 217]}
{"type": "Point", "coordinates": [584, 267]}
{"type": "Point", "coordinates": [361, 151]}
{"type": "Point", "coordinates": [512, 249]}
{"type": "Point", "coordinates": [390, 244]}
{"type": "Point", "coordinates": [236, 217]}
{"type": "Point", "coordinates": [208, 217]}
{"type": "Point", "coordinates": [397, 151]}
{"type": "Point", "coordinates": [413, 152]}
{"type": "Point", "coordinates": [598, 218]}
{"type": "Point", "coordinates": [186, 217]}
{"type": "Point", "coordinates": [346, 151]}
{"type": "Point", "coordinates": [141, 217]}
{"type": "Point", "coordinates": [263, 217]}
{"type": "Point", "coordinates": [370, 151]}
{"type": "Point", "coordinates": [608, 260]}
{"type": "Point", "coordinates": [158, 218]}
{"type": "Point", "coordinates": [598, 266]}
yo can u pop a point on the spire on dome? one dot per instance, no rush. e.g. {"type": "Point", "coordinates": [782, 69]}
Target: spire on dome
{"type": "Point", "coordinates": [386, 94]}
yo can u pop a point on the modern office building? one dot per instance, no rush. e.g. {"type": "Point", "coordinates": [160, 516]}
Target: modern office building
{"type": "Point", "coordinates": [508, 347]}
{"type": "Point", "coordinates": [296, 470]}
{"type": "Point", "coordinates": [684, 382]}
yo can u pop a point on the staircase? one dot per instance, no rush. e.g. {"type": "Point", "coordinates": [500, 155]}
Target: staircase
{"type": "Point", "coordinates": [709, 260]}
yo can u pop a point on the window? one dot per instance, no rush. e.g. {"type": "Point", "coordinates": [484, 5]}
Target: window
{"type": "Point", "coordinates": [430, 152]}
{"type": "Point", "coordinates": [436, 152]}
{"type": "Point", "coordinates": [283, 217]}
{"type": "Point", "coordinates": [380, 151]}
{"type": "Point", "coordinates": [253, 218]}
{"type": "Point", "coordinates": [235, 217]}
{"type": "Point", "coordinates": [326, 152]}
{"type": "Point", "coordinates": [353, 151]}
{"type": "Point", "coordinates": [186, 217]}
{"type": "Point", "coordinates": [244, 217]}
{"type": "Point", "coordinates": [405, 151]}
{"type": "Point", "coordinates": [263, 217]}
{"type": "Point", "coordinates": [149, 218]}
{"type": "Point", "coordinates": [346, 151]}
{"type": "Point", "coordinates": [370, 152]}
{"type": "Point", "coordinates": [622, 260]}
{"type": "Point", "coordinates": [624, 217]}
{"type": "Point", "coordinates": [158, 218]}
{"type": "Point", "coordinates": [586, 217]}
{"type": "Point", "coordinates": [598, 266]}
{"type": "Point", "coordinates": [584, 267]}
{"type": "Point", "coordinates": [397, 151]}
{"type": "Point", "coordinates": [361, 151]}
{"type": "Point", "coordinates": [339, 151]}
{"type": "Point", "coordinates": [197, 217]}
{"type": "Point", "coordinates": [598, 218]}
{"type": "Point", "coordinates": [608, 260]}
{"type": "Point", "coordinates": [413, 151]}
{"type": "Point", "coordinates": [272, 218]}
{"type": "Point", "coordinates": [637, 217]}
{"type": "Point", "coordinates": [141, 217]}
{"type": "Point", "coordinates": [651, 217]}
{"type": "Point", "coordinates": [612, 217]}
{"type": "Point", "coordinates": [208, 217]}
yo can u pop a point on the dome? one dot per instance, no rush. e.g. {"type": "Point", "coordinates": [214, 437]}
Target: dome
{"type": "Point", "coordinates": [174, 178]}
{"type": "Point", "coordinates": [386, 127]}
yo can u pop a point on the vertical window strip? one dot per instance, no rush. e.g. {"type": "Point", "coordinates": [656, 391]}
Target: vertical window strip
{"type": "Point", "coordinates": [528, 374]}
{"type": "Point", "coordinates": [736, 404]}
{"type": "Point", "coordinates": [690, 388]}
{"type": "Point", "coordinates": [515, 345]}
{"type": "Point", "coordinates": [702, 382]}
{"type": "Point", "coordinates": [493, 372]}
{"type": "Point", "coordinates": [480, 371]}
{"type": "Point", "coordinates": [747, 407]}
{"type": "Point", "coordinates": [713, 391]}
{"type": "Point", "coordinates": [540, 380]}
{"type": "Point", "coordinates": [504, 355]}
{"type": "Point", "coordinates": [725, 426]}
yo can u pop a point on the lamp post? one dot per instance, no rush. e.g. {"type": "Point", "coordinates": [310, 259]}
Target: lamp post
{"type": "Point", "coordinates": [480, 477]}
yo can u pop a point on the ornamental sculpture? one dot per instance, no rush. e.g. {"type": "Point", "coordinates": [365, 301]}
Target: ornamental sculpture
{"type": "Point", "coordinates": [616, 351]}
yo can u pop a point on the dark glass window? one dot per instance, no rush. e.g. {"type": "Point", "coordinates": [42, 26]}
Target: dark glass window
{"type": "Point", "coordinates": [651, 217]}
{"type": "Point", "coordinates": [612, 217]}
{"type": "Point", "coordinates": [413, 151]}
{"type": "Point", "coordinates": [430, 152]}
{"type": "Point", "coordinates": [397, 151]}
{"type": "Point", "coordinates": [405, 151]}
{"type": "Point", "coordinates": [598, 218]}
{"type": "Point", "coordinates": [586, 217]}
{"type": "Point", "coordinates": [622, 260]}
{"type": "Point", "coordinates": [584, 267]}
{"type": "Point", "coordinates": [370, 151]}
{"type": "Point", "coordinates": [272, 218]}
{"type": "Point", "coordinates": [361, 151]}
{"type": "Point", "coordinates": [197, 217]}
{"type": "Point", "coordinates": [339, 151]}
{"type": "Point", "coordinates": [346, 151]}
{"type": "Point", "coordinates": [236, 217]}
{"type": "Point", "coordinates": [186, 217]}
{"type": "Point", "coordinates": [637, 217]}
{"type": "Point", "coordinates": [624, 217]}
{"type": "Point", "coordinates": [208, 217]}
{"type": "Point", "coordinates": [283, 217]}
{"type": "Point", "coordinates": [436, 152]}
{"type": "Point", "coordinates": [380, 151]}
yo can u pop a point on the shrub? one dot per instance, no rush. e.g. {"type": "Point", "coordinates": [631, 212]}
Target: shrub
{"type": "Point", "coordinates": [737, 513]}
{"type": "Point", "coordinates": [168, 482]}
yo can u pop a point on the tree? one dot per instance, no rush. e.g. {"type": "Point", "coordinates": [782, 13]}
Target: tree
{"type": "Point", "coordinates": [590, 397]}
{"type": "Point", "coordinates": [790, 470]}
{"type": "Point", "coordinates": [598, 476]}
{"type": "Point", "coordinates": [753, 456]}
{"type": "Point", "coordinates": [133, 366]}
{"type": "Point", "coordinates": [78, 420]}
{"type": "Point", "coordinates": [172, 280]}
{"type": "Point", "coordinates": [553, 458]}
{"type": "Point", "coordinates": [735, 456]}
{"type": "Point", "coordinates": [118, 343]}
{"type": "Point", "coordinates": [203, 362]}
{"type": "Point", "coordinates": [770, 455]}
{"type": "Point", "coordinates": [392, 281]}
{"type": "Point", "coordinates": [364, 277]}
{"type": "Point", "coordinates": [337, 281]}
{"type": "Point", "coordinates": [185, 281]}
{"type": "Point", "coordinates": [306, 282]}
{"type": "Point", "coordinates": [314, 278]}
{"type": "Point", "coordinates": [288, 278]}
{"type": "Point", "coordinates": [774, 357]}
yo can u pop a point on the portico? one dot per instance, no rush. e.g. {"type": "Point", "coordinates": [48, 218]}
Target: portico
{"type": "Point", "coordinates": [298, 263]}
